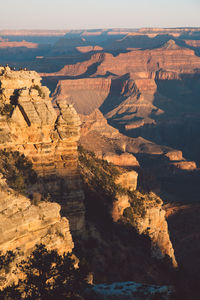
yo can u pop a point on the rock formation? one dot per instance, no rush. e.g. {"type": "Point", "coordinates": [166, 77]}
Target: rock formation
{"type": "Point", "coordinates": [140, 64]}
{"type": "Point", "coordinates": [106, 141]}
{"type": "Point", "coordinates": [23, 225]}
{"type": "Point", "coordinates": [148, 217]}
{"type": "Point", "coordinates": [155, 226]}
{"type": "Point", "coordinates": [130, 93]}
{"type": "Point", "coordinates": [97, 122]}
{"type": "Point", "coordinates": [47, 139]}
{"type": "Point", "coordinates": [128, 181]}
{"type": "Point", "coordinates": [177, 160]}
{"type": "Point", "coordinates": [79, 68]}
{"type": "Point", "coordinates": [86, 94]}
{"type": "Point", "coordinates": [123, 160]}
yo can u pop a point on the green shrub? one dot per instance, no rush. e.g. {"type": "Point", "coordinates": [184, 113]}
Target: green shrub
{"type": "Point", "coordinates": [99, 174]}
{"type": "Point", "coordinates": [48, 275]}
{"type": "Point", "coordinates": [17, 170]}
{"type": "Point", "coordinates": [40, 92]}
{"type": "Point", "coordinates": [6, 110]}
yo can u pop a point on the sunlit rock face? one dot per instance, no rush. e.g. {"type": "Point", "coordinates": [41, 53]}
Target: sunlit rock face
{"type": "Point", "coordinates": [23, 225]}
{"type": "Point", "coordinates": [149, 220]}
{"type": "Point", "coordinates": [47, 137]}
{"type": "Point", "coordinates": [154, 224]}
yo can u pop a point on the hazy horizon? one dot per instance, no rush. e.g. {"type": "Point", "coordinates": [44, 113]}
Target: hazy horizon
{"type": "Point", "coordinates": [99, 28]}
{"type": "Point", "coordinates": [88, 14]}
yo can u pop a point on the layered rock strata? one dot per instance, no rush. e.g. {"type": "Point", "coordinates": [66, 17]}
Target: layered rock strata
{"type": "Point", "coordinates": [46, 137]}
{"type": "Point", "coordinates": [86, 94]}
{"type": "Point", "coordinates": [106, 141]}
{"type": "Point", "coordinates": [152, 222]}
{"type": "Point", "coordinates": [128, 181]}
{"type": "Point", "coordinates": [23, 225]}
{"type": "Point", "coordinates": [148, 216]}
{"type": "Point", "coordinates": [136, 96]}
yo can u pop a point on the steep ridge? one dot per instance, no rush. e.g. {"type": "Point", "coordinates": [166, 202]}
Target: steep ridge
{"type": "Point", "coordinates": [31, 126]}
{"type": "Point", "coordinates": [161, 169]}
{"type": "Point", "coordinates": [85, 94]}
{"type": "Point", "coordinates": [79, 68]}
{"type": "Point", "coordinates": [150, 220]}
{"type": "Point", "coordinates": [153, 222]}
{"type": "Point", "coordinates": [139, 228]}
{"type": "Point", "coordinates": [170, 57]}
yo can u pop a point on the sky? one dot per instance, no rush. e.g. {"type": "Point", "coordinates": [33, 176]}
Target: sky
{"type": "Point", "coordinates": [88, 14]}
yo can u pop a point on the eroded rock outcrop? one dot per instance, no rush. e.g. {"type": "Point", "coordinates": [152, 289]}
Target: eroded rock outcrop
{"type": "Point", "coordinates": [146, 214]}
{"type": "Point", "coordinates": [48, 139]}
{"type": "Point", "coordinates": [106, 141]}
{"type": "Point", "coordinates": [177, 160]}
{"type": "Point", "coordinates": [155, 225]}
{"type": "Point", "coordinates": [123, 160]}
{"type": "Point", "coordinates": [23, 225]}
{"type": "Point", "coordinates": [128, 181]}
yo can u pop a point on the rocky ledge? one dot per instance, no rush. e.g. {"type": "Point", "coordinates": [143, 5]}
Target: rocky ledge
{"type": "Point", "coordinates": [146, 214]}
{"type": "Point", "coordinates": [23, 225]}
{"type": "Point", "coordinates": [48, 139]}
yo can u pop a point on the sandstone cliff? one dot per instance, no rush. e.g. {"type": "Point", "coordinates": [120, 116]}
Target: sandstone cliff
{"type": "Point", "coordinates": [86, 94]}
{"type": "Point", "coordinates": [118, 197]}
{"type": "Point", "coordinates": [146, 214]}
{"type": "Point", "coordinates": [23, 225]}
{"type": "Point", "coordinates": [49, 140]}
{"type": "Point", "coordinates": [154, 224]}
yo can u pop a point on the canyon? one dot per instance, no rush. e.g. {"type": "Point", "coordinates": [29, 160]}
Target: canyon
{"type": "Point", "coordinates": [136, 93]}
{"type": "Point", "coordinates": [45, 138]}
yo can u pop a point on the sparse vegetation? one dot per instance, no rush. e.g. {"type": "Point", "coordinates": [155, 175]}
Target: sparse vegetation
{"type": "Point", "coordinates": [139, 204]}
{"type": "Point", "coordinates": [17, 170]}
{"type": "Point", "coordinates": [48, 275]}
{"type": "Point", "coordinates": [6, 259]}
{"type": "Point", "coordinates": [40, 92]}
{"type": "Point", "coordinates": [99, 174]}
{"type": "Point", "coordinates": [6, 110]}
{"type": "Point", "coordinates": [100, 177]}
